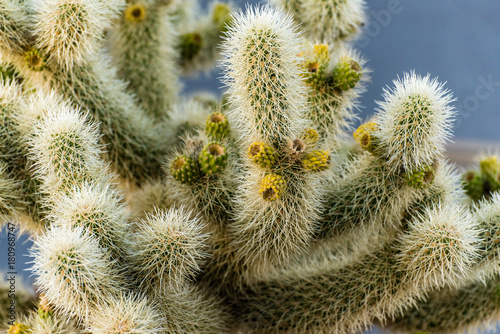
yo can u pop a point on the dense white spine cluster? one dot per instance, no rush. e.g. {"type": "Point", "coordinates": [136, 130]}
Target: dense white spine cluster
{"type": "Point", "coordinates": [98, 210]}
{"type": "Point", "coordinates": [12, 23]}
{"type": "Point", "coordinates": [415, 121]}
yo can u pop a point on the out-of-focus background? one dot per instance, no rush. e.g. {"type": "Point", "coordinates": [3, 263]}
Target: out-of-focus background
{"type": "Point", "coordinates": [455, 40]}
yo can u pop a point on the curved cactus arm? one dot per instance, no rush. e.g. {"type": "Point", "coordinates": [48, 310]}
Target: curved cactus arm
{"type": "Point", "coordinates": [473, 307]}
{"type": "Point", "coordinates": [332, 22]}
{"type": "Point", "coordinates": [337, 78]}
{"type": "Point", "coordinates": [199, 46]}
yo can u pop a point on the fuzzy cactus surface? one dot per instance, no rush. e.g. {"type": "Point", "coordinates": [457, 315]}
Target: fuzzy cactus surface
{"type": "Point", "coordinates": [262, 211]}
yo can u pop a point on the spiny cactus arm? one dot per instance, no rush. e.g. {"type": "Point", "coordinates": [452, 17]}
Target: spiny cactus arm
{"type": "Point", "coordinates": [278, 200]}
{"type": "Point", "coordinates": [471, 308]}
{"type": "Point", "coordinates": [99, 210]}
{"type": "Point", "coordinates": [136, 144]}
{"type": "Point", "coordinates": [483, 182]}
{"type": "Point", "coordinates": [168, 249]}
{"type": "Point", "coordinates": [442, 245]}
{"type": "Point", "coordinates": [366, 193]}
{"type": "Point", "coordinates": [25, 298]}
{"type": "Point", "coordinates": [336, 80]}
{"type": "Point", "coordinates": [276, 217]}
{"type": "Point", "coordinates": [153, 195]}
{"type": "Point", "coordinates": [414, 122]}
{"type": "Point", "coordinates": [199, 47]}
{"type": "Point", "coordinates": [193, 310]}
{"type": "Point", "coordinates": [65, 148]}
{"type": "Point", "coordinates": [209, 196]}
{"type": "Point", "coordinates": [131, 313]}
{"type": "Point", "coordinates": [28, 204]}
{"type": "Point", "coordinates": [73, 271]}
{"type": "Point", "coordinates": [407, 170]}
{"type": "Point", "coordinates": [474, 305]}
{"type": "Point", "coordinates": [225, 271]}
{"type": "Point", "coordinates": [487, 215]}
{"type": "Point", "coordinates": [319, 298]}
{"type": "Point", "coordinates": [204, 172]}
{"type": "Point", "coordinates": [187, 118]}
{"type": "Point", "coordinates": [265, 84]}
{"type": "Point", "coordinates": [12, 203]}
{"type": "Point", "coordinates": [67, 32]}
{"type": "Point", "coordinates": [44, 320]}
{"type": "Point", "coordinates": [143, 47]}
{"type": "Point", "coordinates": [332, 22]}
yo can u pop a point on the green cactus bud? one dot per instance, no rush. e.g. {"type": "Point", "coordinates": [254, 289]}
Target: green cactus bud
{"type": "Point", "coordinates": [135, 13]}
{"type": "Point", "coordinates": [217, 126]}
{"type": "Point", "coordinates": [262, 154]}
{"type": "Point", "coordinates": [44, 314]}
{"type": "Point", "coordinates": [18, 328]}
{"type": "Point", "coordinates": [213, 158]}
{"type": "Point", "coordinates": [221, 16]}
{"type": "Point", "coordinates": [310, 137]}
{"type": "Point", "coordinates": [271, 187]}
{"type": "Point", "coordinates": [421, 178]}
{"type": "Point", "coordinates": [317, 161]}
{"type": "Point", "coordinates": [474, 185]}
{"type": "Point", "coordinates": [364, 135]}
{"type": "Point", "coordinates": [185, 170]}
{"type": "Point", "coordinates": [190, 45]}
{"type": "Point", "coordinates": [346, 74]}
{"type": "Point", "coordinates": [34, 60]}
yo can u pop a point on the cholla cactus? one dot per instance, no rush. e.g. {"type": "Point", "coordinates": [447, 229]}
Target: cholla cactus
{"type": "Point", "coordinates": [255, 213]}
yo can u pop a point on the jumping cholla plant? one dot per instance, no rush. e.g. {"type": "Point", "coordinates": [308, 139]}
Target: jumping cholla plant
{"type": "Point", "coordinates": [253, 213]}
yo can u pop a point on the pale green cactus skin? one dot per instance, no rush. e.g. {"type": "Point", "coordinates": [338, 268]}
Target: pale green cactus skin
{"type": "Point", "coordinates": [143, 51]}
{"type": "Point", "coordinates": [474, 307]}
{"type": "Point", "coordinates": [155, 213]}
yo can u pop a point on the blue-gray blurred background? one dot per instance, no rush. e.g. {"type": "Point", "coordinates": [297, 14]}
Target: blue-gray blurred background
{"type": "Point", "coordinates": [455, 40]}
